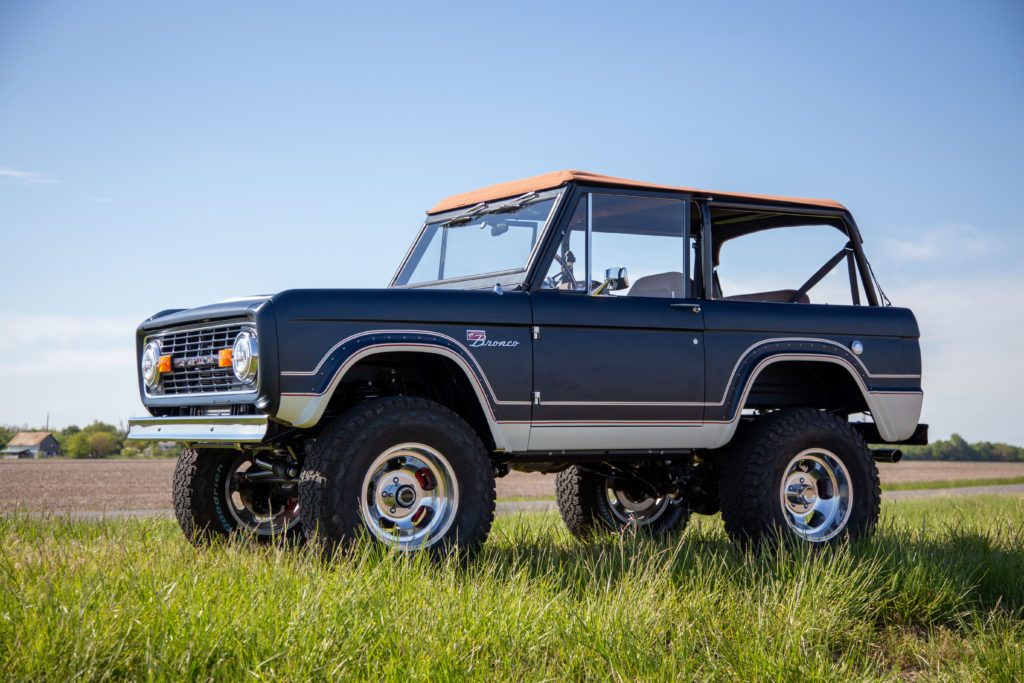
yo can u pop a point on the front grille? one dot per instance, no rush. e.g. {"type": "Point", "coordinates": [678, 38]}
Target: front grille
{"type": "Point", "coordinates": [191, 351]}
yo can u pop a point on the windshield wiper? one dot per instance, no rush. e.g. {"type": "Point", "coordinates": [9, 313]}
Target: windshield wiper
{"type": "Point", "coordinates": [482, 209]}
{"type": "Point", "coordinates": [466, 216]}
{"type": "Point", "coordinates": [514, 204]}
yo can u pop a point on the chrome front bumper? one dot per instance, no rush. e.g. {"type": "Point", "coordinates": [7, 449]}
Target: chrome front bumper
{"type": "Point", "coordinates": [227, 429]}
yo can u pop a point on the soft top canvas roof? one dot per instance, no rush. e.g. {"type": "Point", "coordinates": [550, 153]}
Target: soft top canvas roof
{"type": "Point", "coordinates": [559, 178]}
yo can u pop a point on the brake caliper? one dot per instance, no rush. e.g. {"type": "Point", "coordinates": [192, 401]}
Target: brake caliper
{"type": "Point", "coordinates": [425, 479]}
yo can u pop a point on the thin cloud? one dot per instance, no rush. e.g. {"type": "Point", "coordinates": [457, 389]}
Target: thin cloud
{"type": "Point", "coordinates": [45, 345]}
{"type": "Point", "coordinates": [935, 244]}
{"type": "Point", "coordinates": [970, 348]}
{"type": "Point", "coordinates": [103, 200]}
{"type": "Point", "coordinates": [26, 176]}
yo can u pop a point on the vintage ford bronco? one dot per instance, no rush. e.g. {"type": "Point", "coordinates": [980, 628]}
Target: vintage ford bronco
{"type": "Point", "coordinates": [569, 323]}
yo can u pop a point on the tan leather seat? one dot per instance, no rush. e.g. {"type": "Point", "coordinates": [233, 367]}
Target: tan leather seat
{"type": "Point", "coordinates": [660, 285]}
{"type": "Point", "coordinates": [780, 296]}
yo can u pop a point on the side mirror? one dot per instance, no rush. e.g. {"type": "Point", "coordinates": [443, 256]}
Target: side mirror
{"type": "Point", "coordinates": [616, 278]}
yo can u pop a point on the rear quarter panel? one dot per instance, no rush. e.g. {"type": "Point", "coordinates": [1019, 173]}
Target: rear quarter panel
{"type": "Point", "coordinates": [741, 336]}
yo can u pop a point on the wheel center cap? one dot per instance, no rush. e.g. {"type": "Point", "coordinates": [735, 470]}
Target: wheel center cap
{"type": "Point", "coordinates": [801, 493]}
{"type": "Point", "coordinates": [405, 496]}
{"type": "Point", "coordinates": [396, 495]}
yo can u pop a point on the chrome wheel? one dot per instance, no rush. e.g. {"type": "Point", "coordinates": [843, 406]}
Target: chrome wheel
{"type": "Point", "coordinates": [262, 509]}
{"type": "Point", "coordinates": [410, 496]}
{"type": "Point", "coordinates": [634, 507]}
{"type": "Point", "coordinates": [816, 495]}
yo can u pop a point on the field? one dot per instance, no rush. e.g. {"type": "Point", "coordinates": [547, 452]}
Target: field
{"type": "Point", "coordinates": [936, 594]}
{"type": "Point", "coordinates": [145, 484]}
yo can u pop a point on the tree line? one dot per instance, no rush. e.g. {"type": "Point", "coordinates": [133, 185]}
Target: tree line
{"type": "Point", "coordinates": [956, 449]}
{"type": "Point", "coordinates": [102, 440]}
{"type": "Point", "coordinates": [98, 440]}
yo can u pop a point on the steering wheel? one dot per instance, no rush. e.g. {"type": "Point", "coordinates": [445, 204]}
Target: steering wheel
{"type": "Point", "coordinates": [564, 276]}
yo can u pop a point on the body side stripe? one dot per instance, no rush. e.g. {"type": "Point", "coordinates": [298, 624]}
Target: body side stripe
{"type": "Point", "coordinates": [493, 397]}
{"type": "Point", "coordinates": [476, 368]}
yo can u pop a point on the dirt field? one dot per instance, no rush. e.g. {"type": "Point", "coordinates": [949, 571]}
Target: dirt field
{"type": "Point", "coordinates": [911, 471]}
{"type": "Point", "coordinates": [58, 485]}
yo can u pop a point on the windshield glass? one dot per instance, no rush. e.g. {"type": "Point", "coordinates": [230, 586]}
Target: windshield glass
{"type": "Point", "coordinates": [480, 240]}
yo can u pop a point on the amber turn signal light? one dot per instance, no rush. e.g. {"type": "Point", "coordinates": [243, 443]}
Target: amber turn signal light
{"type": "Point", "coordinates": [165, 364]}
{"type": "Point", "coordinates": [224, 358]}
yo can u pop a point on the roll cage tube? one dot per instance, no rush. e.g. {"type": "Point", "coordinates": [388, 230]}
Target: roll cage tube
{"type": "Point", "coordinates": [853, 250]}
{"type": "Point", "coordinates": [590, 232]}
{"type": "Point", "coordinates": [845, 253]}
{"type": "Point", "coordinates": [866, 276]}
{"type": "Point", "coordinates": [706, 268]}
{"type": "Point", "coordinates": [686, 250]}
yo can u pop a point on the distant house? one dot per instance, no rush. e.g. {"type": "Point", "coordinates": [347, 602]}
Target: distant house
{"type": "Point", "coordinates": [32, 445]}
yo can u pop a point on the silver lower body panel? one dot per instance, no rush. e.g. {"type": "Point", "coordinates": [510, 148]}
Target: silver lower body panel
{"type": "Point", "coordinates": [226, 429]}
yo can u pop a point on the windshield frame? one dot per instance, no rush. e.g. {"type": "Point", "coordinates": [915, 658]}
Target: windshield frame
{"type": "Point", "coordinates": [489, 279]}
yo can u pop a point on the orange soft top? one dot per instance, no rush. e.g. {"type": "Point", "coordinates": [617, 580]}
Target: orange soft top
{"type": "Point", "coordinates": [559, 178]}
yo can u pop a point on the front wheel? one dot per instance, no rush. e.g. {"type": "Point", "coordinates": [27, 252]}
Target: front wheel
{"type": "Point", "coordinates": [801, 474]}
{"type": "Point", "coordinates": [408, 472]}
{"type": "Point", "coordinates": [591, 502]}
{"type": "Point", "coordinates": [219, 492]}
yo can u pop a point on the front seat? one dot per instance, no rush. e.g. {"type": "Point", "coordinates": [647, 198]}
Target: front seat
{"type": "Point", "coordinates": [660, 285]}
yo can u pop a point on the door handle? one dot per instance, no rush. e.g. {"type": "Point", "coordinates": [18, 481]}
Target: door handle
{"type": "Point", "coordinates": [694, 308]}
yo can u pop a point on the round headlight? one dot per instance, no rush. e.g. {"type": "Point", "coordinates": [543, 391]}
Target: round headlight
{"type": "Point", "coordinates": [245, 356]}
{"type": "Point", "coordinates": [151, 364]}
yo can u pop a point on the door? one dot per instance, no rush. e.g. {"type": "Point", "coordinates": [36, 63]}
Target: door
{"type": "Point", "coordinates": [618, 362]}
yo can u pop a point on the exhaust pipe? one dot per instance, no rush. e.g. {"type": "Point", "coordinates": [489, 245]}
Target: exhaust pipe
{"type": "Point", "coordinates": [887, 454]}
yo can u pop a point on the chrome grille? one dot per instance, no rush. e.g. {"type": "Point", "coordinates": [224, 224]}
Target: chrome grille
{"type": "Point", "coordinates": [188, 346]}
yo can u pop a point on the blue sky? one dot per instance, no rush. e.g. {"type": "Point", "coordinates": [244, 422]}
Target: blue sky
{"type": "Point", "coordinates": [163, 155]}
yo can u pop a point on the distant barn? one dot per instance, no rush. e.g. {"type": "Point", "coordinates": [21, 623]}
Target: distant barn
{"type": "Point", "coordinates": [32, 445]}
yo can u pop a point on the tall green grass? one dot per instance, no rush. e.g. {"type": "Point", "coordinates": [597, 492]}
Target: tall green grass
{"type": "Point", "coordinates": [938, 593]}
{"type": "Point", "coordinates": [950, 483]}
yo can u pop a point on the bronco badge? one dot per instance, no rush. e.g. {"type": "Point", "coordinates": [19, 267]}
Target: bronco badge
{"type": "Point", "coordinates": [477, 338]}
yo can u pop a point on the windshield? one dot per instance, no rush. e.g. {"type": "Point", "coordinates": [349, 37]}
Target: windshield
{"type": "Point", "coordinates": [485, 239]}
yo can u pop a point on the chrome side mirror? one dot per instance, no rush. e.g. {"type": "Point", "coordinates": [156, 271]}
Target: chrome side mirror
{"type": "Point", "coordinates": [616, 279]}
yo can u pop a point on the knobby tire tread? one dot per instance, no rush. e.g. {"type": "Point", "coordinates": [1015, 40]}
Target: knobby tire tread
{"type": "Point", "coordinates": [748, 486]}
{"type": "Point", "coordinates": [329, 463]}
{"type": "Point", "coordinates": [580, 495]}
{"type": "Point", "coordinates": [194, 497]}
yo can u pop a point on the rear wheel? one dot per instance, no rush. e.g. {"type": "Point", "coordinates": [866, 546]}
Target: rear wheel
{"type": "Point", "coordinates": [591, 502]}
{"type": "Point", "coordinates": [219, 492]}
{"type": "Point", "coordinates": [408, 472]}
{"type": "Point", "coordinates": [801, 474]}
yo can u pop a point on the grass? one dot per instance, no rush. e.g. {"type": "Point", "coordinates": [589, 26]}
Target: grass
{"type": "Point", "coordinates": [901, 486]}
{"type": "Point", "coordinates": [936, 594]}
{"type": "Point", "coordinates": [950, 483]}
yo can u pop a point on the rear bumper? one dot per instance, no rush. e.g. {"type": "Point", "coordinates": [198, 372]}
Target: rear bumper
{"type": "Point", "coordinates": [869, 431]}
{"type": "Point", "coordinates": [227, 429]}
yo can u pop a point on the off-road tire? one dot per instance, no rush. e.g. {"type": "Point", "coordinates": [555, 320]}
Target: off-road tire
{"type": "Point", "coordinates": [339, 457]}
{"type": "Point", "coordinates": [199, 503]}
{"type": "Point", "coordinates": [755, 464]}
{"type": "Point", "coordinates": [584, 507]}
